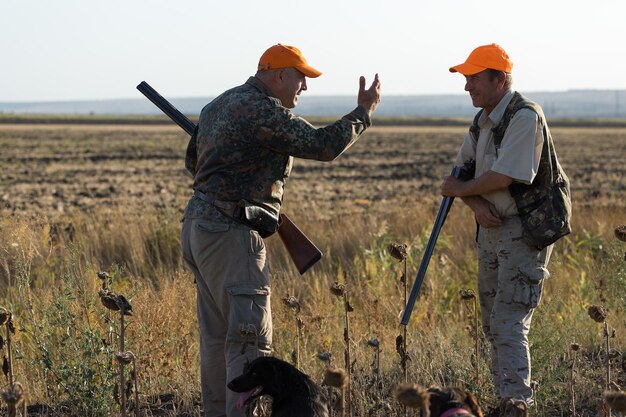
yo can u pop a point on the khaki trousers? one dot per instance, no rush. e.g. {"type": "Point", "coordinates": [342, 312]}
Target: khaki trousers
{"type": "Point", "coordinates": [233, 294]}
{"type": "Point", "coordinates": [510, 283]}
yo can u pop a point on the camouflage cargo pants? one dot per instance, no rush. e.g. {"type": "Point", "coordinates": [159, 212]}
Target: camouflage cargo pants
{"type": "Point", "coordinates": [510, 282]}
{"type": "Point", "coordinates": [233, 290]}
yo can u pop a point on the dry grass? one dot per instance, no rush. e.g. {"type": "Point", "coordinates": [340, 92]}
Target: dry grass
{"type": "Point", "coordinates": [131, 187]}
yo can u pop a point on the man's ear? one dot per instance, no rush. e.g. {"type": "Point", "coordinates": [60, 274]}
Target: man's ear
{"type": "Point", "coordinates": [280, 74]}
{"type": "Point", "coordinates": [501, 79]}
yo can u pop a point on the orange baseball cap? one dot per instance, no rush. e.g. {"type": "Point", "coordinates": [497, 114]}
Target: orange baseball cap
{"type": "Point", "coordinates": [285, 56]}
{"type": "Point", "coordinates": [484, 57]}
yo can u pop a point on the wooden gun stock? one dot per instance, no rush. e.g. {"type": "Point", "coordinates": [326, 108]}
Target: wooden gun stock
{"type": "Point", "coordinates": [303, 252]}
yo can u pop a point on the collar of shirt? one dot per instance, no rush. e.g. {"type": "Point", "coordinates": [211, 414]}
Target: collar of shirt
{"type": "Point", "coordinates": [259, 85]}
{"type": "Point", "coordinates": [498, 111]}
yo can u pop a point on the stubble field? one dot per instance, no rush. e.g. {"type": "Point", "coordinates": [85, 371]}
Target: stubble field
{"type": "Point", "coordinates": [78, 199]}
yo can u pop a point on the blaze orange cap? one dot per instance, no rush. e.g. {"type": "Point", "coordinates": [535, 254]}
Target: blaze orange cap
{"type": "Point", "coordinates": [285, 56]}
{"type": "Point", "coordinates": [486, 56]}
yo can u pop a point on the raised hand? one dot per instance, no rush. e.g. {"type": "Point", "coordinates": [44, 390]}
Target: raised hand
{"type": "Point", "coordinates": [369, 99]}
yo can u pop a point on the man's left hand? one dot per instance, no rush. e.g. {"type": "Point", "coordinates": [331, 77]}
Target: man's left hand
{"type": "Point", "coordinates": [452, 186]}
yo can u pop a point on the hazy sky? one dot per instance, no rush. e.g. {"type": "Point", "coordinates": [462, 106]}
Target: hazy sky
{"type": "Point", "coordinates": [81, 49]}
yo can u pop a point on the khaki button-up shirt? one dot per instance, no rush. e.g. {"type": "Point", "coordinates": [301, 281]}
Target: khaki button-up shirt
{"type": "Point", "coordinates": [518, 156]}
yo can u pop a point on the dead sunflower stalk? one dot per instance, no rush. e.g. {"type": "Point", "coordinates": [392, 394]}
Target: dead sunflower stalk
{"type": "Point", "coordinates": [124, 359]}
{"type": "Point", "coordinates": [340, 291]}
{"type": "Point", "coordinates": [574, 347]}
{"type": "Point", "coordinates": [469, 295]}
{"type": "Point", "coordinates": [14, 396]}
{"type": "Point", "coordinates": [398, 251]}
{"type": "Point", "coordinates": [117, 302]}
{"type": "Point", "coordinates": [599, 314]}
{"type": "Point", "coordinates": [293, 303]}
{"type": "Point", "coordinates": [375, 345]}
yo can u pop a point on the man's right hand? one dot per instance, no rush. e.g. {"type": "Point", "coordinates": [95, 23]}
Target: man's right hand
{"type": "Point", "coordinates": [370, 98]}
{"type": "Point", "coordinates": [485, 213]}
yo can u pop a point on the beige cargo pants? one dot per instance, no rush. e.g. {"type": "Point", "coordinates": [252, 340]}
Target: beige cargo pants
{"type": "Point", "coordinates": [510, 283]}
{"type": "Point", "coordinates": [233, 287]}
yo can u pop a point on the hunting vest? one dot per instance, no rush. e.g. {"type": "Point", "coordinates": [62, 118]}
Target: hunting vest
{"type": "Point", "coordinates": [544, 206]}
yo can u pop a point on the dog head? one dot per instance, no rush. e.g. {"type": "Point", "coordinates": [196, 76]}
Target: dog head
{"type": "Point", "coordinates": [264, 376]}
{"type": "Point", "coordinates": [439, 402]}
{"type": "Point", "coordinates": [446, 402]}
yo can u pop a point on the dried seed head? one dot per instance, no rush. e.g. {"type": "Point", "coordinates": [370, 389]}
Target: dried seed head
{"type": "Point", "coordinates": [324, 356]}
{"type": "Point", "coordinates": [598, 313]}
{"type": "Point", "coordinates": [620, 232]}
{"type": "Point", "coordinates": [292, 302]}
{"type": "Point", "coordinates": [115, 302]}
{"type": "Point", "coordinates": [616, 400]}
{"type": "Point", "coordinates": [399, 341]}
{"type": "Point", "coordinates": [125, 358]}
{"type": "Point", "coordinates": [5, 316]}
{"type": "Point", "coordinates": [373, 343]}
{"type": "Point", "coordinates": [335, 377]}
{"type": "Point", "coordinates": [14, 394]}
{"type": "Point", "coordinates": [467, 294]}
{"type": "Point", "coordinates": [397, 250]}
{"type": "Point", "coordinates": [574, 347]}
{"type": "Point", "coordinates": [412, 396]}
{"type": "Point", "coordinates": [108, 299]}
{"type": "Point", "coordinates": [338, 289]}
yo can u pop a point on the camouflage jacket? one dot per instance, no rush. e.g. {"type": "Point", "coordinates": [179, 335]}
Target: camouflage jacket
{"type": "Point", "coordinates": [544, 206]}
{"type": "Point", "coordinates": [245, 142]}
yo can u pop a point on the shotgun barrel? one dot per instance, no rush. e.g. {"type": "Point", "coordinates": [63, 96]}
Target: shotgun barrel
{"type": "Point", "coordinates": [165, 106]}
{"type": "Point", "coordinates": [444, 209]}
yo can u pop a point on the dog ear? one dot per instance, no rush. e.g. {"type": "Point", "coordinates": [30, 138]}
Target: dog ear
{"type": "Point", "coordinates": [437, 398]}
{"type": "Point", "coordinates": [472, 403]}
{"type": "Point", "coordinates": [277, 374]}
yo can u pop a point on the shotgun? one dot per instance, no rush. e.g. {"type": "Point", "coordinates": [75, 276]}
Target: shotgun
{"type": "Point", "coordinates": [302, 251]}
{"type": "Point", "coordinates": [444, 209]}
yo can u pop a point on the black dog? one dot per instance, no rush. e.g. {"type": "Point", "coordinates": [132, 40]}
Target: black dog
{"type": "Point", "coordinates": [294, 394]}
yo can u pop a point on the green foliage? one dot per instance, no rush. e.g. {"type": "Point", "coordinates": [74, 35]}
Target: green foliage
{"type": "Point", "coordinates": [68, 347]}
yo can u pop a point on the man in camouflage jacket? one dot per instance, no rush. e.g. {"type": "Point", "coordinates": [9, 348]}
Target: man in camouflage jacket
{"type": "Point", "coordinates": [243, 151]}
{"type": "Point", "coordinates": [513, 253]}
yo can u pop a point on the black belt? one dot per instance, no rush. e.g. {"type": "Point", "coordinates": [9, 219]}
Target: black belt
{"type": "Point", "coordinates": [249, 214]}
{"type": "Point", "coordinates": [228, 208]}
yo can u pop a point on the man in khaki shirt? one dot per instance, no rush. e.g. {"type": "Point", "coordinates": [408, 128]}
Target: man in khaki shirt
{"type": "Point", "coordinates": [511, 272]}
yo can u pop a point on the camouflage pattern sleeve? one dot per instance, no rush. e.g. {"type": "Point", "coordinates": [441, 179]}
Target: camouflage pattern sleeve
{"type": "Point", "coordinates": [283, 132]}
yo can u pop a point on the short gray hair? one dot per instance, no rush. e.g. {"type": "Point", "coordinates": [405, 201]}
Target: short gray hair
{"type": "Point", "coordinates": [508, 78]}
